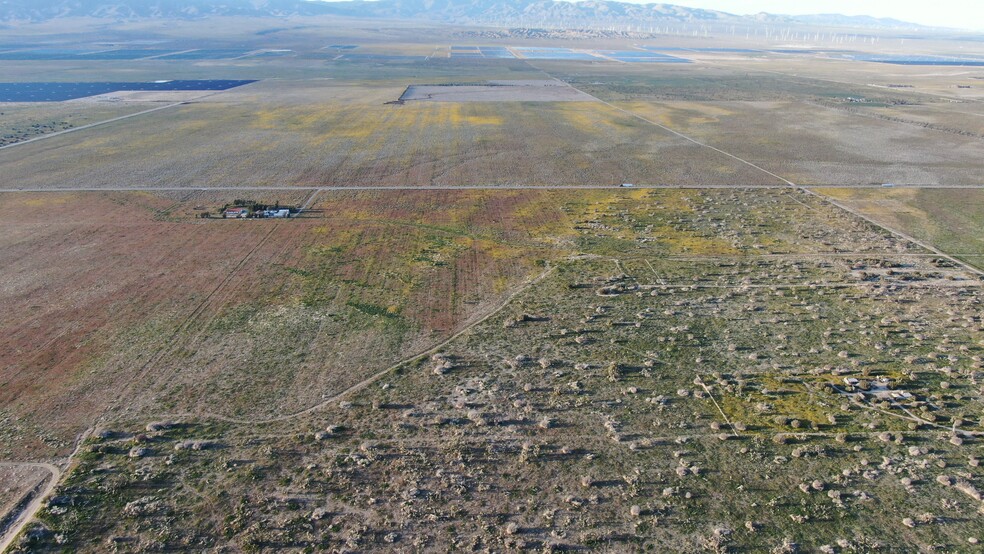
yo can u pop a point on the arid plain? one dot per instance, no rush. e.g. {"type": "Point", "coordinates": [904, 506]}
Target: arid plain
{"type": "Point", "coordinates": [470, 336]}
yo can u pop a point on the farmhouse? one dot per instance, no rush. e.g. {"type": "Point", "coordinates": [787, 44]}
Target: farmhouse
{"type": "Point", "coordinates": [236, 213]}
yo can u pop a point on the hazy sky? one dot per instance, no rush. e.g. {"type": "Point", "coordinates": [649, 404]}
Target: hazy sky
{"type": "Point", "coordinates": [962, 14]}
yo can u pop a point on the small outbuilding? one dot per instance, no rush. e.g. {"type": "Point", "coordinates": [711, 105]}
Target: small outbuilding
{"type": "Point", "coordinates": [236, 213]}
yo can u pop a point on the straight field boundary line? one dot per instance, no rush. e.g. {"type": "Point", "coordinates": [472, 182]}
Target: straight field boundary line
{"type": "Point", "coordinates": [822, 285]}
{"type": "Point", "coordinates": [972, 269]}
{"type": "Point", "coordinates": [383, 188]}
{"type": "Point", "coordinates": [668, 129]}
{"type": "Point", "coordinates": [90, 126]}
{"type": "Point", "coordinates": [206, 94]}
{"type": "Point", "coordinates": [693, 140]}
{"type": "Point", "coordinates": [819, 256]}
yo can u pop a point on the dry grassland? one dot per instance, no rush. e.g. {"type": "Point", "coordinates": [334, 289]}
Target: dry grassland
{"type": "Point", "coordinates": [22, 121]}
{"type": "Point", "coordinates": [147, 308]}
{"type": "Point", "coordinates": [499, 91]}
{"type": "Point", "coordinates": [925, 81]}
{"type": "Point", "coordinates": [344, 142]}
{"type": "Point", "coordinates": [949, 219]}
{"type": "Point", "coordinates": [643, 396]}
{"type": "Point", "coordinates": [815, 144]}
{"type": "Point", "coordinates": [625, 370]}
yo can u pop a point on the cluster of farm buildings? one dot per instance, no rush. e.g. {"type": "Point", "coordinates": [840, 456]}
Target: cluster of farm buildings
{"type": "Point", "coordinates": [241, 212]}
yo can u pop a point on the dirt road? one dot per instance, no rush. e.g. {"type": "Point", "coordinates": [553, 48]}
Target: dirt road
{"type": "Point", "coordinates": [36, 497]}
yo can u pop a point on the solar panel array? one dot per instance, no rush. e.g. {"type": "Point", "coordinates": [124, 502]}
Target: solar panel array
{"type": "Point", "coordinates": [495, 52]}
{"type": "Point", "coordinates": [59, 92]}
{"type": "Point", "coordinates": [638, 56]}
{"type": "Point", "coordinates": [715, 50]}
{"type": "Point", "coordinates": [965, 61]}
{"type": "Point", "coordinates": [557, 53]}
{"type": "Point", "coordinates": [33, 54]}
{"type": "Point", "coordinates": [545, 53]}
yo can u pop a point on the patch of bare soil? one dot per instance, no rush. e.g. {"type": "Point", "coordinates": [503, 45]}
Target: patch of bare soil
{"type": "Point", "coordinates": [497, 91]}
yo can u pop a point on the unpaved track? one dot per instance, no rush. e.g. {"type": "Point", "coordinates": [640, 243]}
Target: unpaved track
{"type": "Point", "coordinates": [900, 234]}
{"type": "Point", "coordinates": [120, 118]}
{"type": "Point", "coordinates": [375, 376]}
{"type": "Point", "coordinates": [56, 474]}
{"type": "Point", "coordinates": [176, 339]}
{"type": "Point", "coordinates": [37, 500]}
{"type": "Point", "coordinates": [91, 125]}
{"type": "Point", "coordinates": [828, 200]}
{"type": "Point", "coordinates": [309, 201]}
{"type": "Point", "coordinates": [27, 515]}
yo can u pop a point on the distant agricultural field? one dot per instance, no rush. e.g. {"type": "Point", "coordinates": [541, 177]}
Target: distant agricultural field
{"type": "Point", "coordinates": [325, 134]}
{"type": "Point", "coordinates": [497, 91]}
{"type": "Point", "coordinates": [58, 92]}
{"type": "Point", "coordinates": [949, 219]}
{"type": "Point", "coordinates": [23, 121]}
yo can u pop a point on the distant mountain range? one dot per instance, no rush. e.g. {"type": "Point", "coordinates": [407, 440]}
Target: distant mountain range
{"type": "Point", "coordinates": [43, 10]}
{"type": "Point", "coordinates": [592, 13]}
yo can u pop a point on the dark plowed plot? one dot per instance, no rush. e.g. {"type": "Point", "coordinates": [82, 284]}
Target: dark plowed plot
{"type": "Point", "coordinates": [497, 91]}
{"type": "Point", "coordinates": [59, 92]}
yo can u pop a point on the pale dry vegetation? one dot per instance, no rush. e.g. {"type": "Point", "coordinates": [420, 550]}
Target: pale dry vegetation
{"type": "Point", "coordinates": [689, 380]}
{"type": "Point", "coordinates": [252, 317]}
{"type": "Point", "coordinates": [949, 219]}
{"type": "Point", "coordinates": [665, 370]}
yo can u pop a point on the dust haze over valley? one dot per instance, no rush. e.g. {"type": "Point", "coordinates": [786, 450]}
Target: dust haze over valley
{"type": "Point", "coordinates": [488, 276]}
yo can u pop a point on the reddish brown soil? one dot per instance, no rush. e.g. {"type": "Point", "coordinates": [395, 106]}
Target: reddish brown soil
{"type": "Point", "coordinates": [107, 303]}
